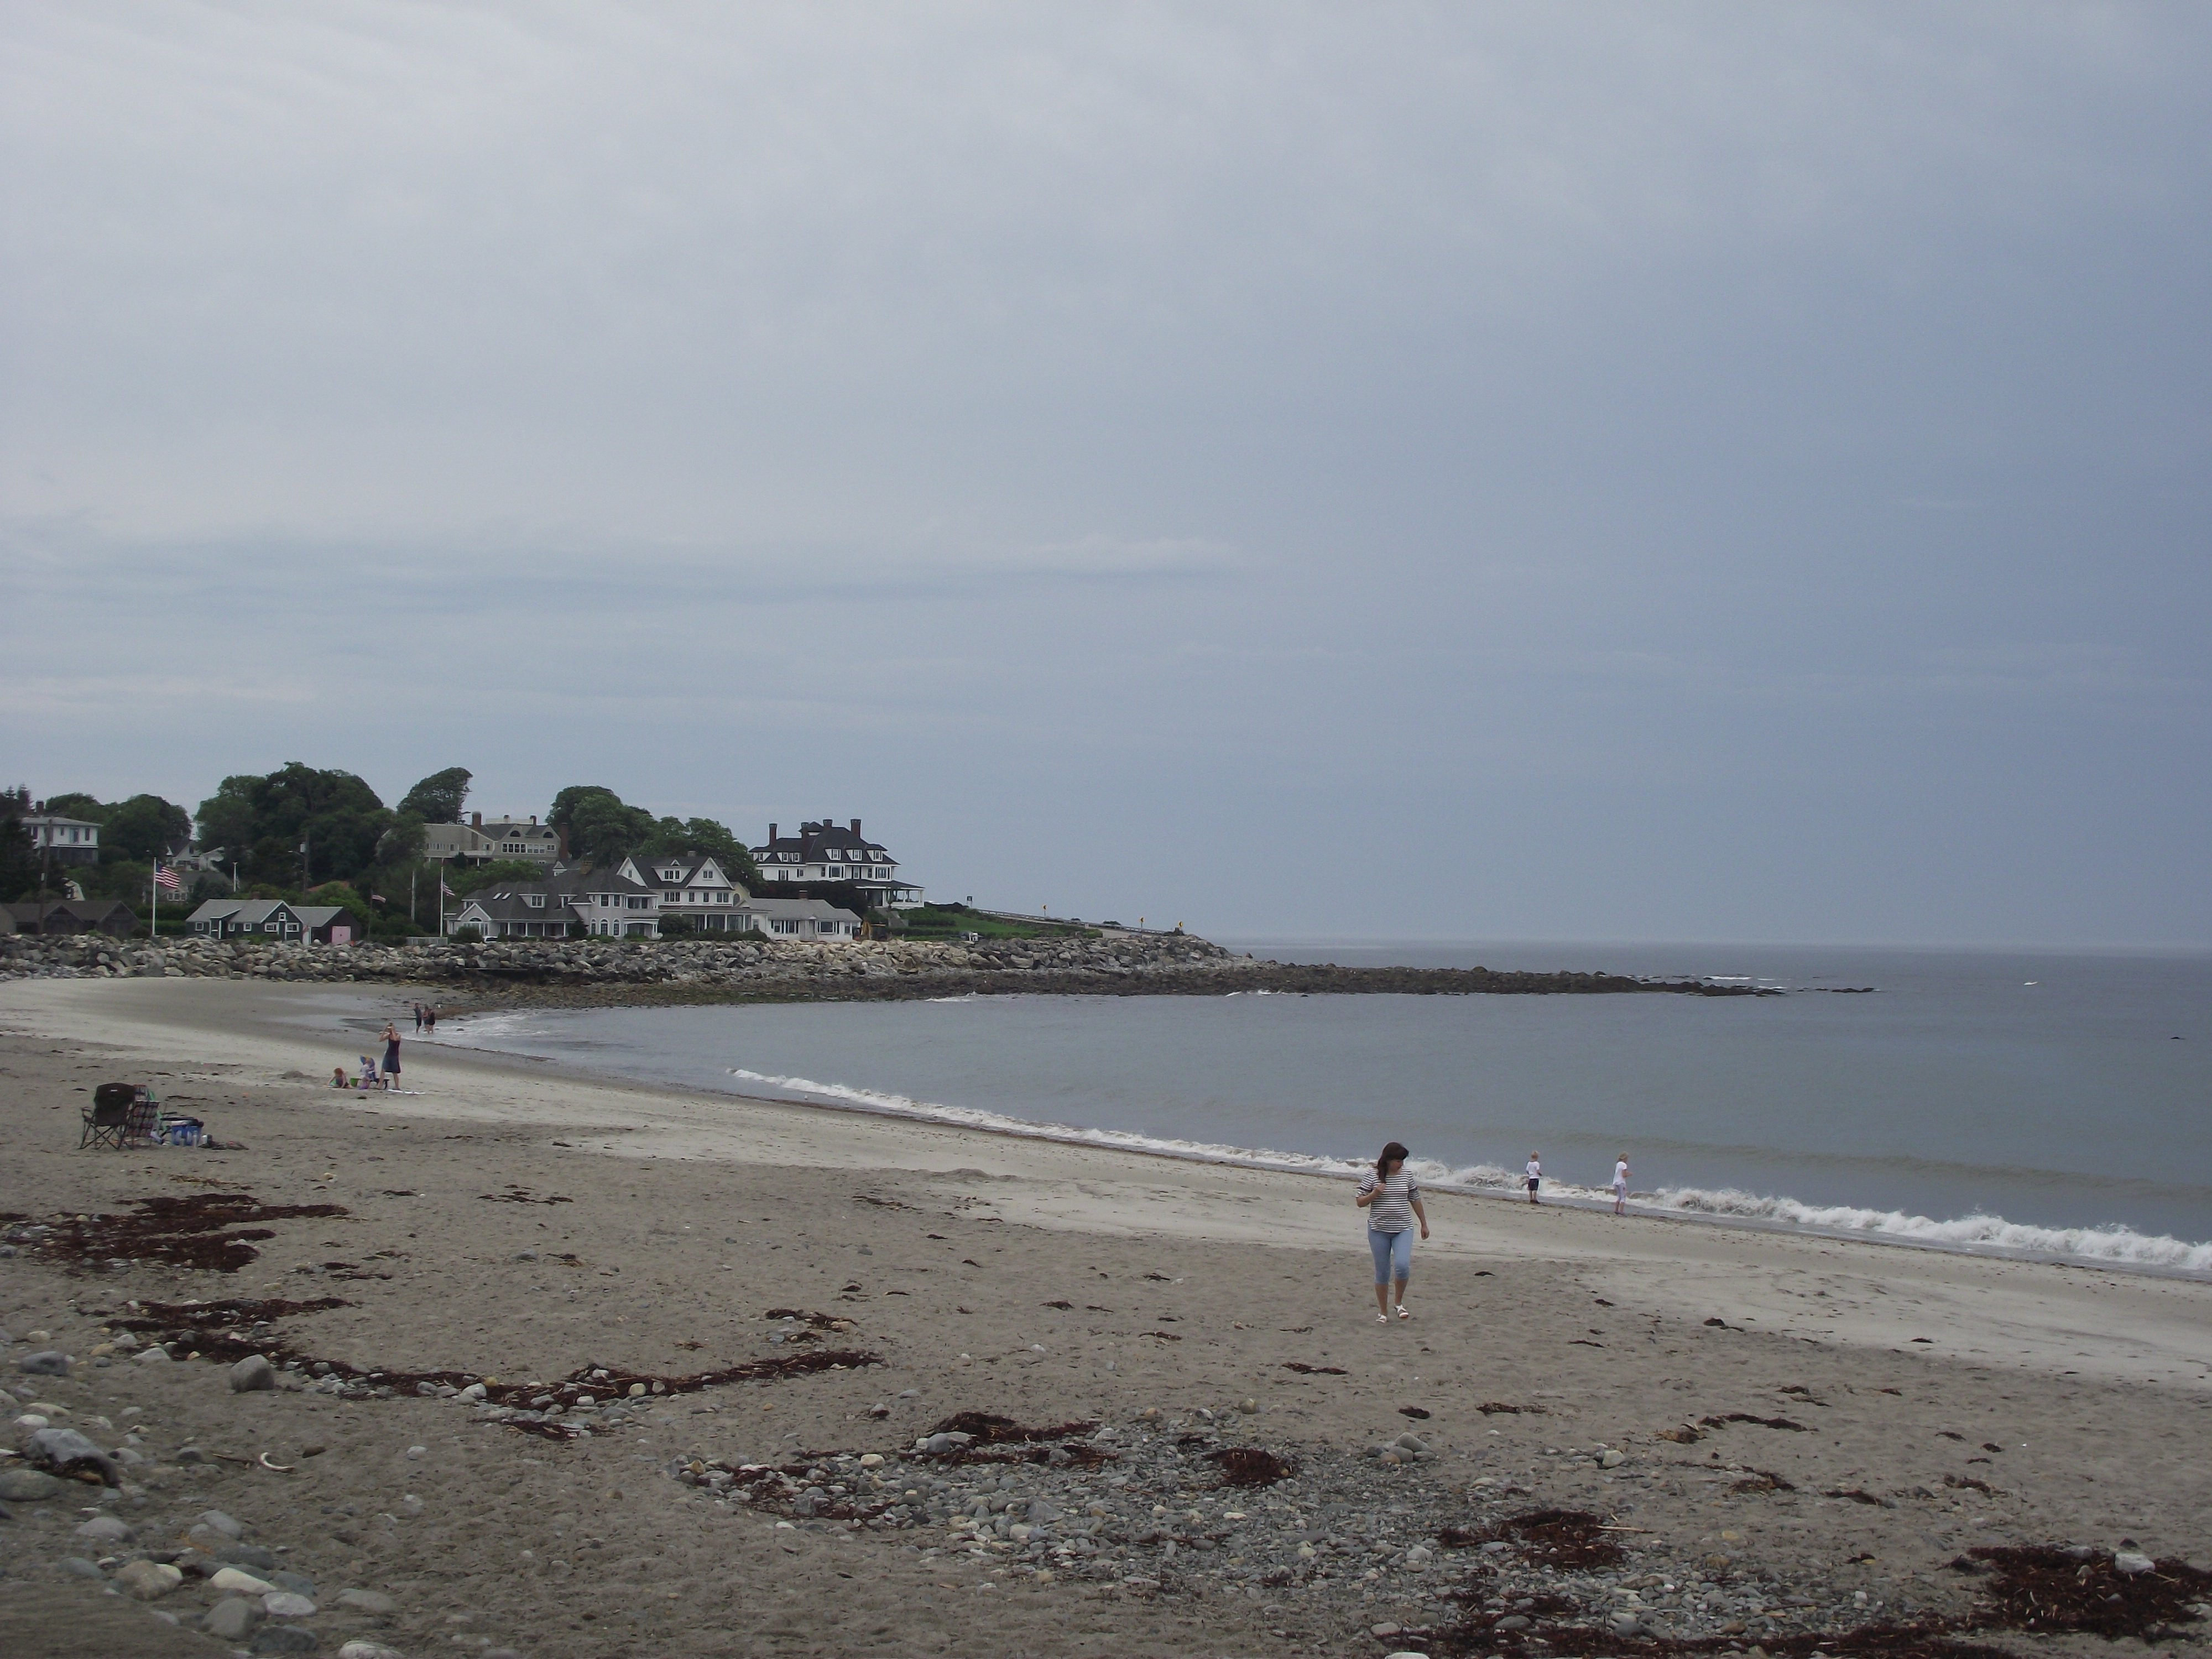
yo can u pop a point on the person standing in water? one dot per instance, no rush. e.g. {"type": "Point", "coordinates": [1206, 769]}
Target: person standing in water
{"type": "Point", "coordinates": [391, 1054]}
{"type": "Point", "coordinates": [1535, 1175]}
{"type": "Point", "coordinates": [1621, 1185]}
{"type": "Point", "coordinates": [1392, 1199]}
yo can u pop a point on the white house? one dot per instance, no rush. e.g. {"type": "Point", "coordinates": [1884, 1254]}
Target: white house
{"type": "Point", "coordinates": [71, 841]}
{"type": "Point", "coordinates": [797, 917]}
{"type": "Point", "coordinates": [689, 886]}
{"type": "Point", "coordinates": [826, 851]}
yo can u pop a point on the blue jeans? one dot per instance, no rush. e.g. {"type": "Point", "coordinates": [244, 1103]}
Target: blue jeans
{"type": "Point", "coordinates": [1392, 1251]}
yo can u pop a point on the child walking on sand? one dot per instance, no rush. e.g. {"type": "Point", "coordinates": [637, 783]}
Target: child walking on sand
{"type": "Point", "coordinates": [1621, 1185]}
{"type": "Point", "coordinates": [1392, 1199]}
{"type": "Point", "coordinates": [1535, 1175]}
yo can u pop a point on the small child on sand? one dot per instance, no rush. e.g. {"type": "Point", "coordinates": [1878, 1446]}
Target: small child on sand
{"type": "Point", "coordinates": [1535, 1175]}
{"type": "Point", "coordinates": [1621, 1185]}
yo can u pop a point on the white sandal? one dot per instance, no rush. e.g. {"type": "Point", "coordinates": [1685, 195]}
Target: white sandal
{"type": "Point", "coordinates": [1402, 1313]}
{"type": "Point", "coordinates": [1382, 1319]}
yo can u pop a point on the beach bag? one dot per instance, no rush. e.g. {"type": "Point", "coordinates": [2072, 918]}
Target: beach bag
{"type": "Point", "coordinates": [184, 1132]}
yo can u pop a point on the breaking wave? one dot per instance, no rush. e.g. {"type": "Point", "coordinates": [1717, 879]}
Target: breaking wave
{"type": "Point", "coordinates": [2119, 1246]}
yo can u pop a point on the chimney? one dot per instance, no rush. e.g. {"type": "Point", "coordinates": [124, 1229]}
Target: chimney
{"type": "Point", "coordinates": [533, 820]}
{"type": "Point", "coordinates": [856, 826]}
{"type": "Point", "coordinates": [771, 832]}
{"type": "Point", "coordinates": [476, 820]}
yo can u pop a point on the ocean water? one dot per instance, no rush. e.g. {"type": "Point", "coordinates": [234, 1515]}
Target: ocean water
{"type": "Point", "coordinates": [2045, 1104]}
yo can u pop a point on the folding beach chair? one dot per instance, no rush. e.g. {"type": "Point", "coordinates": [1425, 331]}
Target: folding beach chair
{"type": "Point", "coordinates": [108, 1120]}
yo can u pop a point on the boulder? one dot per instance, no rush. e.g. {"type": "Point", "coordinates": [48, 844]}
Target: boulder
{"type": "Point", "coordinates": [48, 1362]}
{"type": "Point", "coordinates": [149, 1581]}
{"type": "Point", "coordinates": [27, 1486]}
{"type": "Point", "coordinates": [252, 1375]}
{"type": "Point", "coordinates": [64, 1451]}
{"type": "Point", "coordinates": [233, 1619]}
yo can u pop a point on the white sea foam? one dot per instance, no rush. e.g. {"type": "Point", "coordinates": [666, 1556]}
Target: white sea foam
{"type": "Point", "coordinates": [2119, 1246]}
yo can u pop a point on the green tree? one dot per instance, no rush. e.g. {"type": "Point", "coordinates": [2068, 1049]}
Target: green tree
{"type": "Point", "coordinates": [19, 863]}
{"type": "Point", "coordinates": [597, 825]}
{"type": "Point", "coordinates": [402, 844]}
{"type": "Point", "coordinates": [142, 828]}
{"type": "Point", "coordinates": [438, 798]}
{"type": "Point", "coordinates": [466, 881]}
{"type": "Point", "coordinates": [262, 821]}
{"type": "Point", "coordinates": [702, 836]}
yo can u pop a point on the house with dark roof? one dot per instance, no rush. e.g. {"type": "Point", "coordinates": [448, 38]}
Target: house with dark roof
{"type": "Point", "coordinates": [73, 915]}
{"type": "Point", "coordinates": [483, 841]}
{"type": "Point", "coordinates": [828, 851]}
{"type": "Point", "coordinates": [276, 919]}
{"type": "Point", "coordinates": [689, 886]}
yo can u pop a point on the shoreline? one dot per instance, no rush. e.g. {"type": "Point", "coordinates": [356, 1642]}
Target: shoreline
{"type": "Point", "coordinates": [977, 1120]}
{"type": "Point", "coordinates": [692, 1135]}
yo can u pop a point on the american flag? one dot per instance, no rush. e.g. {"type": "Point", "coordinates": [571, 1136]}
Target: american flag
{"type": "Point", "coordinates": [167, 879]}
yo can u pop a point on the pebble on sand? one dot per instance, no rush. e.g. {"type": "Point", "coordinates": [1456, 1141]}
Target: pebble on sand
{"type": "Point", "coordinates": [51, 1362]}
{"type": "Point", "coordinates": [283, 1604]}
{"type": "Point", "coordinates": [358, 1650]}
{"type": "Point", "coordinates": [374, 1603]}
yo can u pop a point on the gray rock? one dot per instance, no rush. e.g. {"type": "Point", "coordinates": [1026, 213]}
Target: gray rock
{"type": "Point", "coordinates": [154, 1356]}
{"type": "Point", "coordinates": [499, 1653]}
{"type": "Point", "coordinates": [1613, 1459]}
{"type": "Point", "coordinates": [65, 1451]}
{"type": "Point", "coordinates": [27, 1485]}
{"type": "Point", "coordinates": [375, 1603]}
{"type": "Point", "coordinates": [2132, 1562]}
{"type": "Point", "coordinates": [148, 1580]}
{"type": "Point", "coordinates": [252, 1375]}
{"type": "Point", "coordinates": [247, 1555]}
{"type": "Point", "coordinates": [298, 1584]}
{"type": "Point", "coordinates": [216, 1521]}
{"type": "Point", "coordinates": [367, 1650]}
{"type": "Point", "coordinates": [77, 1567]}
{"type": "Point", "coordinates": [283, 1604]}
{"type": "Point", "coordinates": [190, 1455]}
{"type": "Point", "coordinates": [47, 1362]}
{"type": "Point", "coordinates": [1512, 1621]}
{"type": "Point", "coordinates": [105, 1529]}
{"type": "Point", "coordinates": [1626, 1624]}
{"type": "Point", "coordinates": [1412, 1443]}
{"type": "Point", "coordinates": [7, 1401]}
{"type": "Point", "coordinates": [234, 1618]}
{"type": "Point", "coordinates": [282, 1638]}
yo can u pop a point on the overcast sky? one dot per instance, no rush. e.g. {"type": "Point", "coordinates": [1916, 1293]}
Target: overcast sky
{"type": "Point", "coordinates": [1677, 472]}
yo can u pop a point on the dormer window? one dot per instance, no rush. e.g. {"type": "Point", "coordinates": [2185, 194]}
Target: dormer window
{"type": "Point", "coordinates": [535, 900]}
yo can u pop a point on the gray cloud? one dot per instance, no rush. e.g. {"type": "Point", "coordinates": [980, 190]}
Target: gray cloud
{"type": "Point", "coordinates": [1608, 472]}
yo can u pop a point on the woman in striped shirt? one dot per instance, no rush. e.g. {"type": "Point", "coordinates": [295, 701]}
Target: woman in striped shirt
{"type": "Point", "coordinates": [1392, 1199]}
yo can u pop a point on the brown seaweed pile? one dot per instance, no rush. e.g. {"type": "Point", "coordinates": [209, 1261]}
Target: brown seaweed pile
{"type": "Point", "coordinates": [233, 1329]}
{"type": "Point", "coordinates": [216, 1232]}
{"type": "Point", "coordinates": [1250, 1466]}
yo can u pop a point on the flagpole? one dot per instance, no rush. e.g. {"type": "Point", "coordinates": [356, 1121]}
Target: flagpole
{"type": "Point", "coordinates": [153, 924]}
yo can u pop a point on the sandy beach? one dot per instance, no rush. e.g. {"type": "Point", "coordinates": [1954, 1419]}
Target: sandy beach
{"type": "Point", "coordinates": [1847, 1418]}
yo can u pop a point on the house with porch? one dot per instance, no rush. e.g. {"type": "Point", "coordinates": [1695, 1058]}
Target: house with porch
{"type": "Point", "coordinates": [66, 841]}
{"type": "Point", "coordinates": [483, 841]}
{"type": "Point", "coordinates": [827, 851]}
{"type": "Point", "coordinates": [800, 919]}
{"type": "Point", "coordinates": [689, 886]}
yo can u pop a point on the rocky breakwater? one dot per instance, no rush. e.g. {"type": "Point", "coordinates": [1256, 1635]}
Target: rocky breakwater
{"type": "Point", "coordinates": [598, 971]}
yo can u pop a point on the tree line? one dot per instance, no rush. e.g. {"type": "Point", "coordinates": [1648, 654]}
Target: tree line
{"type": "Point", "coordinates": [324, 837]}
